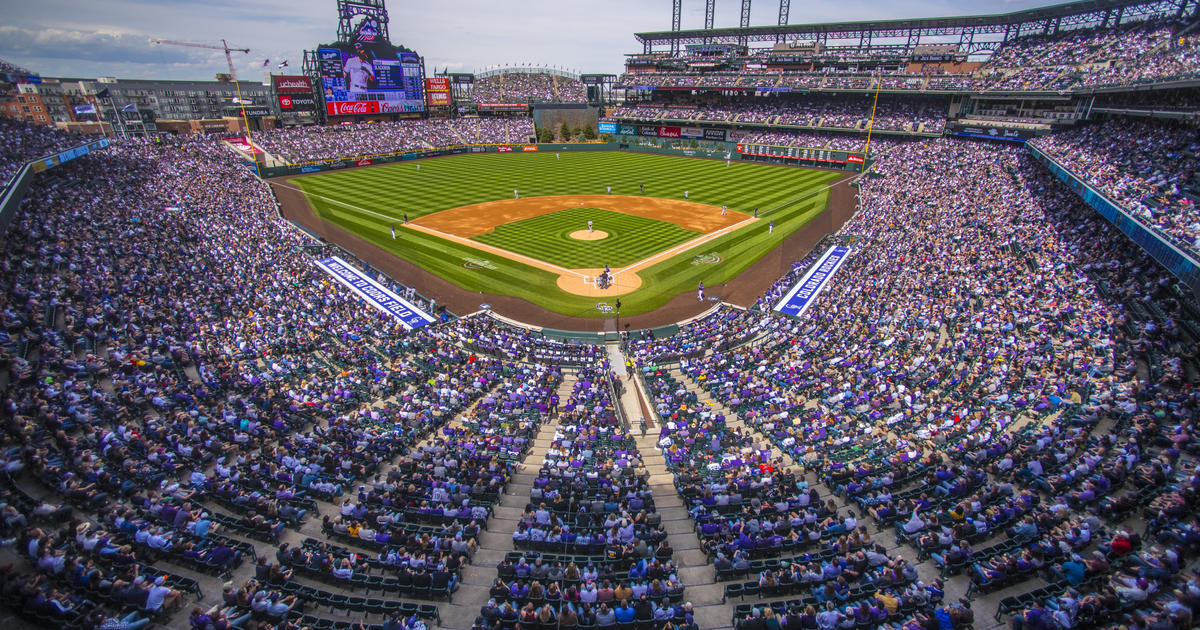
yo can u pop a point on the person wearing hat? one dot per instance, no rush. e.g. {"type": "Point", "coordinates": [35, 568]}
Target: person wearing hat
{"type": "Point", "coordinates": [280, 606]}
{"type": "Point", "coordinates": [161, 597]}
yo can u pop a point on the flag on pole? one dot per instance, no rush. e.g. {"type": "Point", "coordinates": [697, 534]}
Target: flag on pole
{"type": "Point", "coordinates": [85, 109]}
{"type": "Point", "coordinates": [283, 64]}
{"type": "Point", "coordinates": [266, 62]}
{"type": "Point", "coordinates": [129, 108]}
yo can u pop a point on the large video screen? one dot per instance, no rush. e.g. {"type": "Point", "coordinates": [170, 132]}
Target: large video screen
{"type": "Point", "coordinates": [370, 75]}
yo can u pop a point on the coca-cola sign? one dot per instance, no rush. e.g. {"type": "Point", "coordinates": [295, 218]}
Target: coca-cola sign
{"type": "Point", "coordinates": [352, 108]}
{"type": "Point", "coordinates": [295, 84]}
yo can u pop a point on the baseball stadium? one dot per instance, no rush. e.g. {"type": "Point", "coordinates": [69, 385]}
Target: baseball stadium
{"type": "Point", "coordinates": [823, 320]}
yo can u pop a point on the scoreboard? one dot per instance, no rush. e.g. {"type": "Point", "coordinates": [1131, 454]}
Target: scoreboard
{"type": "Point", "coordinates": [800, 153]}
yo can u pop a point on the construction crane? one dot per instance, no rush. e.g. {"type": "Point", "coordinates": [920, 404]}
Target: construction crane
{"type": "Point", "coordinates": [241, 102]}
{"type": "Point", "coordinates": [224, 46]}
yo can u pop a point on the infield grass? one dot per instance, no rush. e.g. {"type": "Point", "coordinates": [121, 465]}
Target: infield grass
{"type": "Point", "coordinates": [369, 201]}
{"type": "Point", "coordinates": [547, 238]}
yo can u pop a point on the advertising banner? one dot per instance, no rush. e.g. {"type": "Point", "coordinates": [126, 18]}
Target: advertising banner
{"type": "Point", "coordinates": [802, 295]}
{"type": "Point", "coordinates": [714, 134]}
{"type": "Point", "coordinates": [606, 127]}
{"type": "Point", "coordinates": [629, 130]}
{"type": "Point", "coordinates": [691, 132]}
{"type": "Point", "coordinates": [503, 107]}
{"type": "Point", "coordinates": [374, 293]}
{"type": "Point", "coordinates": [738, 136]}
{"type": "Point", "coordinates": [1012, 135]}
{"type": "Point", "coordinates": [363, 162]}
{"type": "Point", "coordinates": [311, 168]}
{"type": "Point", "coordinates": [67, 156]}
{"type": "Point", "coordinates": [438, 99]}
{"type": "Point", "coordinates": [530, 148]}
{"type": "Point", "coordinates": [437, 84]}
{"type": "Point", "coordinates": [668, 132]}
{"type": "Point", "coordinates": [351, 108]}
{"type": "Point", "coordinates": [648, 131]}
{"type": "Point", "coordinates": [292, 84]}
{"type": "Point", "coordinates": [503, 149]}
{"type": "Point", "coordinates": [292, 102]}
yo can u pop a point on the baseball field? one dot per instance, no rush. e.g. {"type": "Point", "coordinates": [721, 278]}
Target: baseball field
{"type": "Point", "coordinates": [517, 224]}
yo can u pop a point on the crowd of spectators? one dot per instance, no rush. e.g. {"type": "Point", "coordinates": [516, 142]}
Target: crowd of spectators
{"type": "Point", "coordinates": [926, 115]}
{"type": "Point", "coordinates": [310, 144]}
{"type": "Point", "coordinates": [24, 142]}
{"type": "Point", "coordinates": [8, 67]}
{"type": "Point", "coordinates": [911, 411]}
{"type": "Point", "coordinates": [1089, 57]}
{"type": "Point", "coordinates": [1079, 58]}
{"type": "Point", "coordinates": [1147, 167]}
{"type": "Point", "coordinates": [524, 87]}
{"type": "Point", "coordinates": [994, 374]}
{"type": "Point", "coordinates": [590, 546]}
{"type": "Point", "coordinates": [221, 347]}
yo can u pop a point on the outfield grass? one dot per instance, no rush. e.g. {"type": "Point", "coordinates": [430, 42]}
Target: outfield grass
{"type": "Point", "coordinates": [629, 240]}
{"type": "Point", "coordinates": [369, 201]}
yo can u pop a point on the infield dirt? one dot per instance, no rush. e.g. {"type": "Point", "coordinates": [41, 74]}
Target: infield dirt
{"type": "Point", "coordinates": [747, 287]}
{"type": "Point", "coordinates": [481, 218]}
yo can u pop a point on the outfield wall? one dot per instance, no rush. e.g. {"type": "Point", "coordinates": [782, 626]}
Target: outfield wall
{"type": "Point", "coordinates": [743, 292]}
{"type": "Point", "coordinates": [711, 149]}
{"type": "Point", "coordinates": [402, 156]}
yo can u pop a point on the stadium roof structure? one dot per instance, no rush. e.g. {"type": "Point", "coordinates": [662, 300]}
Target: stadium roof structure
{"type": "Point", "coordinates": [1043, 20]}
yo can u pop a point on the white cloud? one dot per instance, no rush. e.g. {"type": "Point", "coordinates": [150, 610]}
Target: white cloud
{"type": "Point", "coordinates": [110, 37]}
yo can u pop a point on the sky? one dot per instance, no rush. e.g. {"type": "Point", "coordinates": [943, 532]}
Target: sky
{"type": "Point", "coordinates": [72, 38]}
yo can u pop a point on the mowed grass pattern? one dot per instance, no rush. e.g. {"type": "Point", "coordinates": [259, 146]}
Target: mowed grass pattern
{"type": "Point", "coordinates": [547, 238]}
{"type": "Point", "coordinates": [369, 201]}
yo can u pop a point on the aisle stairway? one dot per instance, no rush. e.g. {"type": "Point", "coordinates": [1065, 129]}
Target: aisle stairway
{"type": "Point", "coordinates": [496, 541]}
{"type": "Point", "coordinates": [955, 587]}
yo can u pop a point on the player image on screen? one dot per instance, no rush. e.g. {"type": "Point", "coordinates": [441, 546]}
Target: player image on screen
{"type": "Point", "coordinates": [360, 70]}
{"type": "Point", "coordinates": [368, 74]}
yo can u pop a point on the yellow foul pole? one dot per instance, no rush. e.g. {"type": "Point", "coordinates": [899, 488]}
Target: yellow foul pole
{"type": "Point", "coordinates": [871, 124]}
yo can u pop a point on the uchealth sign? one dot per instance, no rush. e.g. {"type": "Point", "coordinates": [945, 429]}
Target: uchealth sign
{"type": "Point", "coordinates": [668, 132]}
{"type": "Point", "coordinates": [503, 149]}
{"type": "Point", "coordinates": [351, 108]}
{"type": "Point", "coordinates": [691, 132]}
{"type": "Point", "coordinates": [292, 84]}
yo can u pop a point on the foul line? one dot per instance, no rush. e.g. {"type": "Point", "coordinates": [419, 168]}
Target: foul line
{"type": "Point", "coordinates": [683, 247]}
{"type": "Point", "coordinates": [547, 266]}
{"type": "Point", "coordinates": [532, 262]}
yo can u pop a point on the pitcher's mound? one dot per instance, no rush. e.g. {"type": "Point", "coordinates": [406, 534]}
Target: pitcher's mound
{"type": "Point", "coordinates": [584, 235]}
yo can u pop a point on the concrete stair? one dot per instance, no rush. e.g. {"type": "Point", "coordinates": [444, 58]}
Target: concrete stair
{"type": "Point", "coordinates": [496, 542]}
